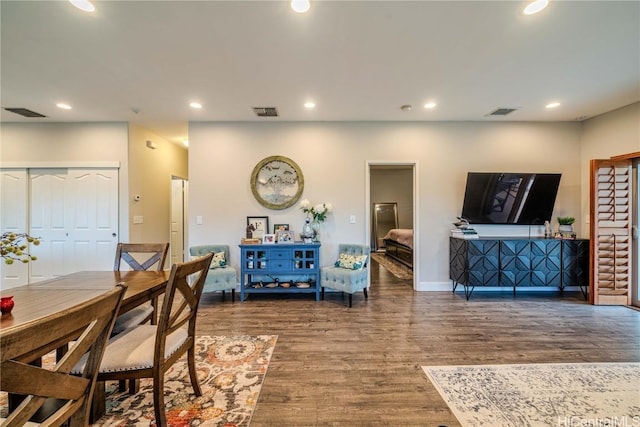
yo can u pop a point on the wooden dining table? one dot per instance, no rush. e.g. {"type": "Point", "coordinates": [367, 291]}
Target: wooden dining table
{"type": "Point", "coordinates": [35, 302]}
{"type": "Point", "coordinates": [38, 300]}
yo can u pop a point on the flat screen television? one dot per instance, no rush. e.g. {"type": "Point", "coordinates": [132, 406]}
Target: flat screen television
{"type": "Point", "coordinates": [510, 198]}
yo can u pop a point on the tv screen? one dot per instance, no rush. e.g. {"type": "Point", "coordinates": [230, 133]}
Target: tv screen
{"type": "Point", "coordinates": [510, 198]}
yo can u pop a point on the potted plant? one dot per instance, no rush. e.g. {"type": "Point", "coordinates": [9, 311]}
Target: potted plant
{"type": "Point", "coordinates": [565, 224]}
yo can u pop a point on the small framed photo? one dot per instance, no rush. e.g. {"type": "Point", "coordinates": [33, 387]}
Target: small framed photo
{"type": "Point", "coordinates": [280, 227]}
{"type": "Point", "coordinates": [285, 236]}
{"type": "Point", "coordinates": [268, 239]}
{"type": "Point", "coordinates": [258, 225]}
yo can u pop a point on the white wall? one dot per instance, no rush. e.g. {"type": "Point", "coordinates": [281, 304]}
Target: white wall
{"type": "Point", "coordinates": [604, 136]}
{"type": "Point", "coordinates": [35, 144]}
{"type": "Point", "coordinates": [333, 159]}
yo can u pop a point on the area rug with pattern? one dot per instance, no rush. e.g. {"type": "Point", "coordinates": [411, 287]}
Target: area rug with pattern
{"type": "Point", "coordinates": [571, 394]}
{"type": "Point", "coordinates": [231, 371]}
{"type": "Point", "coordinates": [396, 268]}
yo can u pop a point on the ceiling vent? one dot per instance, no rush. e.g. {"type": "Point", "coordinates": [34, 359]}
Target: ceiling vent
{"type": "Point", "coordinates": [265, 111]}
{"type": "Point", "coordinates": [502, 111]}
{"type": "Point", "coordinates": [25, 112]}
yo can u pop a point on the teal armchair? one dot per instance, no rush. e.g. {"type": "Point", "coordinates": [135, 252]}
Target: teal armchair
{"type": "Point", "coordinates": [219, 278]}
{"type": "Point", "coordinates": [353, 274]}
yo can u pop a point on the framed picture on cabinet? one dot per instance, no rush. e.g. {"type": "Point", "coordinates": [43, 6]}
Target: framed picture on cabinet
{"type": "Point", "coordinates": [280, 227]}
{"type": "Point", "coordinates": [268, 239]}
{"type": "Point", "coordinates": [285, 236]}
{"type": "Point", "coordinates": [259, 226]}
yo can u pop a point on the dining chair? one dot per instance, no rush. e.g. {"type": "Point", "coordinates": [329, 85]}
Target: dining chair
{"type": "Point", "coordinates": [139, 256]}
{"type": "Point", "coordinates": [148, 351]}
{"type": "Point", "coordinates": [350, 273]}
{"type": "Point", "coordinates": [85, 328]}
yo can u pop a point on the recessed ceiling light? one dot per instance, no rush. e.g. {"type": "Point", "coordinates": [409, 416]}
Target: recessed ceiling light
{"type": "Point", "coordinates": [83, 5]}
{"type": "Point", "coordinates": [185, 142]}
{"type": "Point", "coordinates": [309, 105]}
{"type": "Point", "coordinates": [195, 105]}
{"type": "Point", "coordinates": [535, 6]}
{"type": "Point", "coordinates": [552, 105]}
{"type": "Point", "coordinates": [430, 105]}
{"type": "Point", "coordinates": [63, 106]}
{"type": "Point", "coordinates": [300, 6]}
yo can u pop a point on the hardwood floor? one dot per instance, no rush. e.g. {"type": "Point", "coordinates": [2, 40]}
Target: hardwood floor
{"type": "Point", "coordinates": [335, 366]}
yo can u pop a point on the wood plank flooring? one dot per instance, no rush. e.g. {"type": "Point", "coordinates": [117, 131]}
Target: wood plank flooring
{"type": "Point", "coordinates": [335, 366]}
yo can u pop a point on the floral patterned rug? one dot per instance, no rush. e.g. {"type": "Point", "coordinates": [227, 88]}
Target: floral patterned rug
{"type": "Point", "coordinates": [572, 394]}
{"type": "Point", "coordinates": [231, 371]}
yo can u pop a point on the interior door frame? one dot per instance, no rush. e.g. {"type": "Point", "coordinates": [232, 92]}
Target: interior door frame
{"type": "Point", "coordinates": [183, 204]}
{"type": "Point", "coordinates": [416, 210]}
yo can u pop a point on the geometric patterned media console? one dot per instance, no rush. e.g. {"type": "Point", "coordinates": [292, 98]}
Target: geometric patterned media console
{"type": "Point", "coordinates": [518, 263]}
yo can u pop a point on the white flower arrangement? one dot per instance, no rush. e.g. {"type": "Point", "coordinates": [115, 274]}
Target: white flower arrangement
{"type": "Point", "coordinates": [318, 212]}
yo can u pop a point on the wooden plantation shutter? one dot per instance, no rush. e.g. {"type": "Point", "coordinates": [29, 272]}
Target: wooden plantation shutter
{"type": "Point", "coordinates": [611, 227]}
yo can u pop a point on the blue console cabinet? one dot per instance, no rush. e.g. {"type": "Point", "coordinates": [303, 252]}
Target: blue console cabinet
{"type": "Point", "coordinates": [280, 268]}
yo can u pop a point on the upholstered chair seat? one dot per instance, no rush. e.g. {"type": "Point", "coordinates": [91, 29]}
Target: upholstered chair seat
{"type": "Point", "coordinates": [133, 318]}
{"type": "Point", "coordinates": [220, 277]}
{"type": "Point", "coordinates": [134, 349]}
{"type": "Point", "coordinates": [350, 273]}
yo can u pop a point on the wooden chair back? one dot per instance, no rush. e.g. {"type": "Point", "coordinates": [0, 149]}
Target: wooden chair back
{"type": "Point", "coordinates": [180, 305]}
{"type": "Point", "coordinates": [177, 317]}
{"type": "Point", "coordinates": [141, 256]}
{"type": "Point", "coordinates": [88, 325]}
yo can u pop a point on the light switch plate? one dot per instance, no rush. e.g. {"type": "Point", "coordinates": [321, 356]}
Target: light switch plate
{"type": "Point", "coordinates": [137, 219]}
{"type": "Point", "coordinates": [199, 220]}
{"type": "Point", "coordinates": [352, 219]}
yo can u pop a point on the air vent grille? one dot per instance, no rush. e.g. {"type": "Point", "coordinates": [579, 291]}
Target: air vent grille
{"type": "Point", "coordinates": [25, 112]}
{"type": "Point", "coordinates": [502, 111]}
{"type": "Point", "coordinates": [265, 111]}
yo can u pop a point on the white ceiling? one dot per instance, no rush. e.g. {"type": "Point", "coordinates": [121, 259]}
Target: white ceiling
{"type": "Point", "coordinates": [144, 61]}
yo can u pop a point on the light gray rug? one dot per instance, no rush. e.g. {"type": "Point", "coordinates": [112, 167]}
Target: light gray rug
{"type": "Point", "coordinates": [572, 394]}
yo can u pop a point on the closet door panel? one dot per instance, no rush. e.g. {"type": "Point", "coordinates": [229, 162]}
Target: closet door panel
{"type": "Point", "coordinates": [13, 218]}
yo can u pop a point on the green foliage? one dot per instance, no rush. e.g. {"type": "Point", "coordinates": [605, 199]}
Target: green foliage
{"type": "Point", "coordinates": [14, 247]}
{"type": "Point", "coordinates": [566, 220]}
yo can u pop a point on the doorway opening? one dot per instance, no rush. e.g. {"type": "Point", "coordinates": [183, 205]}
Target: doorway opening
{"type": "Point", "coordinates": [392, 187]}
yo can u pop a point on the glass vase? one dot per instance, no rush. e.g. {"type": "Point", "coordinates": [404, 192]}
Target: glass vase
{"type": "Point", "coordinates": [315, 225]}
{"type": "Point", "coordinates": [307, 233]}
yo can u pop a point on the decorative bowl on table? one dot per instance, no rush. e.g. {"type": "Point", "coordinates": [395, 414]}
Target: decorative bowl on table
{"type": "Point", "coordinates": [6, 304]}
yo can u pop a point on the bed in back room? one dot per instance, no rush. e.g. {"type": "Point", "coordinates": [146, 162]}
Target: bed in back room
{"type": "Point", "coordinates": [399, 244]}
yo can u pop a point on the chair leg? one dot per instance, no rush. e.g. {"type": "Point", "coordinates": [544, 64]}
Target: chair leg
{"type": "Point", "coordinates": [233, 295]}
{"type": "Point", "coordinates": [223, 296]}
{"type": "Point", "coordinates": [98, 402]}
{"type": "Point", "coordinates": [134, 385]}
{"type": "Point", "coordinates": [350, 298]}
{"type": "Point", "coordinates": [366, 296]}
{"type": "Point", "coordinates": [191, 360]}
{"type": "Point", "coordinates": [158, 399]}
{"type": "Point", "coordinates": [322, 293]}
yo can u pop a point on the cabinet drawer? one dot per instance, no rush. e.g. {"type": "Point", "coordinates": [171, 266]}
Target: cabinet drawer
{"type": "Point", "coordinates": [277, 265]}
{"type": "Point", "coordinates": [280, 254]}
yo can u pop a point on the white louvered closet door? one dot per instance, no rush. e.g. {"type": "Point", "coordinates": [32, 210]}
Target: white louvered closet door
{"type": "Point", "coordinates": [611, 231]}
